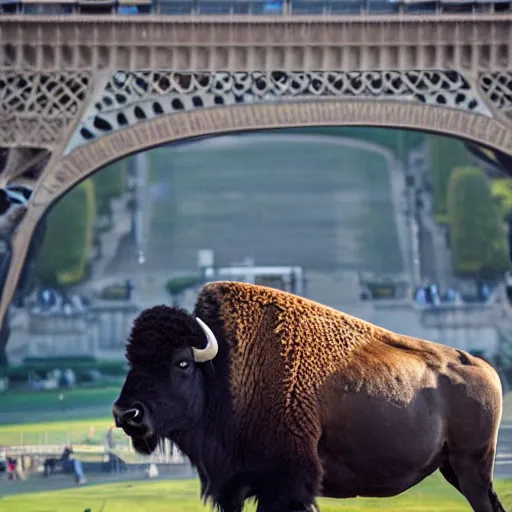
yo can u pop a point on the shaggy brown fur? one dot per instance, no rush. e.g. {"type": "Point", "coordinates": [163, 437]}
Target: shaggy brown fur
{"type": "Point", "coordinates": [315, 342]}
{"type": "Point", "coordinates": [306, 361]}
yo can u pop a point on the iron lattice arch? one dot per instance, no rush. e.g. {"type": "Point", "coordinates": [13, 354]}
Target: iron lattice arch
{"type": "Point", "coordinates": [37, 109]}
{"type": "Point", "coordinates": [131, 97]}
{"type": "Point", "coordinates": [498, 88]}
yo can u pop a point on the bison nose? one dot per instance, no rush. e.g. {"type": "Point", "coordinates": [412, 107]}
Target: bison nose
{"type": "Point", "coordinates": [133, 416]}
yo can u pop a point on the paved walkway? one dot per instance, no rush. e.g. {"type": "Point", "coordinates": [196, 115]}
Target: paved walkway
{"type": "Point", "coordinates": [436, 258]}
{"type": "Point", "coordinates": [38, 483]}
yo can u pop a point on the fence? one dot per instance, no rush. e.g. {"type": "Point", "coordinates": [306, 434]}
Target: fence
{"type": "Point", "coordinates": [165, 453]}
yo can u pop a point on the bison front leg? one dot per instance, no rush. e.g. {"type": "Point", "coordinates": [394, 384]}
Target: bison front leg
{"type": "Point", "coordinates": [230, 502]}
{"type": "Point", "coordinates": [292, 487]}
{"type": "Point", "coordinates": [314, 508]}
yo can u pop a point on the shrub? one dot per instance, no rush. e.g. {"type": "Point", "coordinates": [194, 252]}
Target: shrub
{"type": "Point", "coordinates": [477, 234]}
{"type": "Point", "coordinates": [178, 285]}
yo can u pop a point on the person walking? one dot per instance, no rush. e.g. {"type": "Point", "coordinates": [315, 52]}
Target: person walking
{"type": "Point", "coordinates": [110, 442]}
{"type": "Point", "coordinates": [72, 464]}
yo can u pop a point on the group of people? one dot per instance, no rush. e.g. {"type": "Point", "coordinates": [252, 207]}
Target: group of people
{"type": "Point", "coordinates": [11, 467]}
{"type": "Point", "coordinates": [431, 295]}
{"type": "Point", "coordinates": [68, 465]}
{"type": "Point", "coordinates": [66, 462]}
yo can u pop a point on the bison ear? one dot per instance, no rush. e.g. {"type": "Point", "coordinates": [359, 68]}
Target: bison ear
{"type": "Point", "coordinates": [201, 355]}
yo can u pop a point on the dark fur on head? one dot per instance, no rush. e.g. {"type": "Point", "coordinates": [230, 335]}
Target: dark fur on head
{"type": "Point", "coordinates": [193, 407]}
{"type": "Point", "coordinates": [158, 331]}
{"type": "Point", "coordinates": [198, 419]}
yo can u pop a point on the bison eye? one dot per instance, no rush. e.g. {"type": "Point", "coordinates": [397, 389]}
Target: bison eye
{"type": "Point", "coordinates": [183, 364]}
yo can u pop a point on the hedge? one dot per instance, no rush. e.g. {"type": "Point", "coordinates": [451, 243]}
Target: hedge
{"type": "Point", "coordinates": [68, 238]}
{"type": "Point", "coordinates": [445, 153]}
{"type": "Point", "coordinates": [178, 285]}
{"type": "Point", "coordinates": [478, 239]}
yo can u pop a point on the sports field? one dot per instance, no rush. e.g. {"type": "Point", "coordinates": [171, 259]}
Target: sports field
{"type": "Point", "coordinates": [183, 496]}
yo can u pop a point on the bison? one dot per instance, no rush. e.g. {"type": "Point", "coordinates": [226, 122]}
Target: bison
{"type": "Point", "coordinates": [278, 398]}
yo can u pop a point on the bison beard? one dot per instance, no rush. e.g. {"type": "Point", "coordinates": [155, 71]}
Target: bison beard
{"type": "Point", "coordinates": [145, 445]}
{"type": "Point", "coordinates": [144, 442]}
{"type": "Point", "coordinates": [302, 400]}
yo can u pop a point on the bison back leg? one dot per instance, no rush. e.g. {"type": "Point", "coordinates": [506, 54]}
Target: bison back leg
{"type": "Point", "coordinates": [449, 474]}
{"type": "Point", "coordinates": [474, 477]}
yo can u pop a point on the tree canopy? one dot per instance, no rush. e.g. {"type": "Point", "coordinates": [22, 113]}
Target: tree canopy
{"type": "Point", "coordinates": [478, 239]}
{"type": "Point", "coordinates": [108, 183]}
{"type": "Point", "coordinates": [67, 241]}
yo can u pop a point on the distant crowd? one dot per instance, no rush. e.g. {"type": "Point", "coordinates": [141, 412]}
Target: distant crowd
{"type": "Point", "coordinates": [431, 295]}
{"type": "Point", "coordinates": [68, 464]}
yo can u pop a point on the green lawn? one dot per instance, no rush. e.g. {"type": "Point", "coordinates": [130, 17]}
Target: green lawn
{"type": "Point", "coordinates": [44, 421]}
{"type": "Point", "coordinates": [55, 432]}
{"type": "Point", "coordinates": [183, 496]}
{"type": "Point", "coordinates": [76, 402]}
{"type": "Point", "coordinates": [48, 401]}
{"type": "Point", "coordinates": [39, 417]}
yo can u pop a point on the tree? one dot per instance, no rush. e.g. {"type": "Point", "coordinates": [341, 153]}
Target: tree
{"type": "Point", "coordinates": [498, 260]}
{"type": "Point", "coordinates": [68, 238]}
{"type": "Point", "coordinates": [109, 183]}
{"type": "Point", "coordinates": [445, 153]}
{"type": "Point", "coordinates": [477, 234]}
{"type": "Point", "coordinates": [502, 190]}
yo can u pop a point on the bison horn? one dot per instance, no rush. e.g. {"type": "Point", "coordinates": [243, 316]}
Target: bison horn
{"type": "Point", "coordinates": [201, 355]}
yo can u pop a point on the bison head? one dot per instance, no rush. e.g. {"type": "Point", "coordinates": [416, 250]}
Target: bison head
{"type": "Point", "coordinates": [164, 389]}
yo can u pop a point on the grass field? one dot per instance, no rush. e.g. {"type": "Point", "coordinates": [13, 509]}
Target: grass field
{"type": "Point", "coordinates": [48, 401]}
{"type": "Point", "coordinates": [30, 417]}
{"type": "Point", "coordinates": [45, 422]}
{"type": "Point", "coordinates": [54, 432]}
{"type": "Point", "coordinates": [183, 496]}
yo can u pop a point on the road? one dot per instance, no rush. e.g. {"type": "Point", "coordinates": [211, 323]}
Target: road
{"type": "Point", "coordinates": [436, 265]}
